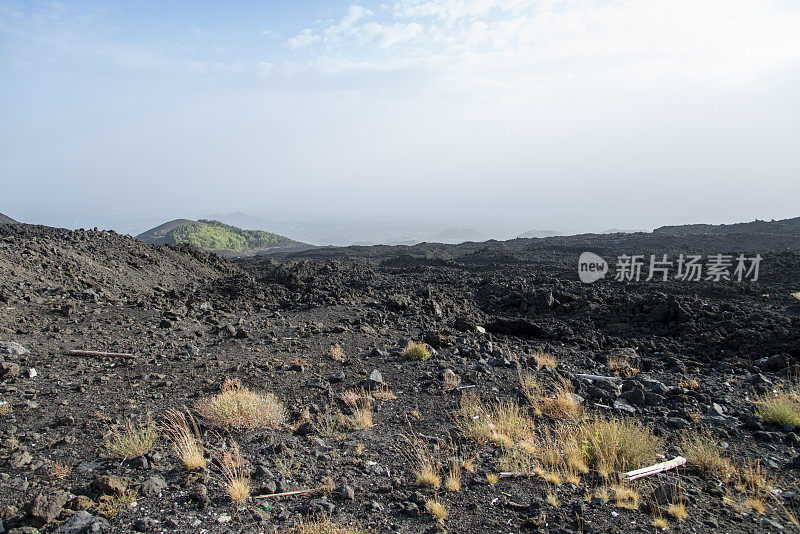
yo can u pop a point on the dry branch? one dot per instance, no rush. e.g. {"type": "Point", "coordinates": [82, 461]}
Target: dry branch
{"type": "Point", "coordinates": [653, 469]}
{"type": "Point", "coordinates": [98, 354]}
{"type": "Point", "coordinates": [598, 377]}
{"type": "Point", "coordinates": [319, 489]}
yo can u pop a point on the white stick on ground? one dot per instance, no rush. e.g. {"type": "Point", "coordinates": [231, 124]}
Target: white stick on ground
{"type": "Point", "coordinates": [653, 469]}
{"type": "Point", "coordinates": [598, 377]}
{"type": "Point", "coordinates": [98, 354]}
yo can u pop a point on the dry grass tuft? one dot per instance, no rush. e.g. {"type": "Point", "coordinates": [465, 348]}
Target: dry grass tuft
{"type": "Point", "coordinates": [552, 499]}
{"type": "Point", "coordinates": [5, 408]}
{"type": "Point", "coordinates": [110, 506]}
{"type": "Point", "coordinates": [689, 384]}
{"type": "Point", "coordinates": [492, 478]}
{"type": "Point", "coordinates": [660, 523]}
{"type": "Point", "coordinates": [678, 511]}
{"type": "Point", "coordinates": [626, 496]}
{"type": "Point", "coordinates": [452, 480]}
{"type": "Point", "coordinates": [437, 509]}
{"type": "Point", "coordinates": [703, 452]}
{"type": "Point", "coordinates": [450, 380]}
{"type": "Point", "coordinates": [560, 403]}
{"type": "Point", "coordinates": [321, 525]}
{"type": "Point", "coordinates": [383, 393]}
{"type": "Point", "coordinates": [337, 353]}
{"type": "Point", "coordinates": [545, 360]}
{"type": "Point", "coordinates": [622, 365]}
{"type": "Point", "coordinates": [616, 445]}
{"type": "Point", "coordinates": [424, 460]}
{"type": "Point", "coordinates": [133, 439]}
{"type": "Point", "coordinates": [330, 423]}
{"type": "Point", "coordinates": [504, 424]}
{"type": "Point", "coordinates": [796, 295]}
{"type": "Point", "coordinates": [237, 408]}
{"type": "Point", "coordinates": [756, 504]}
{"type": "Point", "coordinates": [416, 351]}
{"type": "Point", "coordinates": [58, 470]}
{"type": "Point", "coordinates": [186, 440]}
{"type": "Point", "coordinates": [781, 407]}
{"type": "Point", "coordinates": [235, 475]}
{"type": "Point", "coordinates": [361, 407]}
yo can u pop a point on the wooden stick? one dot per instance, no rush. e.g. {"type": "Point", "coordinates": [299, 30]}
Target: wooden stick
{"type": "Point", "coordinates": [653, 469]}
{"type": "Point", "coordinates": [98, 354]}
{"type": "Point", "coordinates": [292, 493]}
{"type": "Point", "coordinates": [598, 377]}
{"type": "Point", "coordinates": [513, 474]}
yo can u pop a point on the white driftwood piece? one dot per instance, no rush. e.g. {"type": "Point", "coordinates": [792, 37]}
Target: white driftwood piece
{"type": "Point", "coordinates": [598, 377]}
{"type": "Point", "coordinates": [99, 354]}
{"type": "Point", "coordinates": [653, 469]}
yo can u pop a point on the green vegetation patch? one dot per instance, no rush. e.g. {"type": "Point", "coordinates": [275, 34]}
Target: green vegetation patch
{"type": "Point", "coordinates": [214, 235]}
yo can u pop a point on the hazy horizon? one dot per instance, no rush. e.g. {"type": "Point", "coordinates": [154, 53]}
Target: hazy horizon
{"type": "Point", "coordinates": [502, 116]}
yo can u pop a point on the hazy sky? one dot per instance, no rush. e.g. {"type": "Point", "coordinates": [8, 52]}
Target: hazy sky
{"type": "Point", "coordinates": [574, 114]}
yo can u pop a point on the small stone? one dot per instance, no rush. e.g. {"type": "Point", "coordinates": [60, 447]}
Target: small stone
{"type": "Point", "coordinates": [146, 524]}
{"type": "Point", "coordinates": [375, 380]}
{"type": "Point", "coordinates": [81, 522]}
{"type": "Point", "coordinates": [336, 377]}
{"type": "Point", "coordinates": [47, 506]}
{"type": "Point", "coordinates": [13, 348]}
{"type": "Point", "coordinates": [110, 485]}
{"type": "Point", "coordinates": [623, 406]}
{"type": "Point", "coordinates": [153, 486]}
{"type": "Point", "coordinates": [9, 370]}
{"type": "Point", "coordinates": [223, 518]}
{"type": "Point", "coordinates": [200, 496]}
{"type": "Point", "coordinates": [20, 459]}
{"type": "Point", "coordinates": [80, 502]}
{"type": "Point", "coordinates": [346, 492]}
{"type": "Point", "coordinates": [776, 362]}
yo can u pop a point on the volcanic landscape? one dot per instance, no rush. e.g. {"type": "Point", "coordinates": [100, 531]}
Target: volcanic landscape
{"type": "Point", "coordinates": [472, 388]}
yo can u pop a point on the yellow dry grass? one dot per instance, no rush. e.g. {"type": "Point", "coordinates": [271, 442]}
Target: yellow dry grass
{"type": "Point", "coordinates": [545, 360]}
{"type": "Point", "coordinates": [781, 406]}
{"type": "Point", "coordinates": [702, 451]}
{"type": "Point", "coordinates": [237, 408]}
{"type": "Point", "coordinates": [235, 475]}
{"type": "Point", "coordinates": [133, 439]}
{"type": "Point", "coordinates": [322, 525]}
{"type": "Point", "coordinates": [337, 353]}
{"type": "Point", "coordinates": [437, 509]}
{"type": "Point", "coordinates": [416, 351]}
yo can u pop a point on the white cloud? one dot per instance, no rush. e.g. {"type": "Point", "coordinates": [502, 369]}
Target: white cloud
{"type": "Point", "coordinates": [303, 39]}
{"type": "Point", "coordinates": [500, 41]}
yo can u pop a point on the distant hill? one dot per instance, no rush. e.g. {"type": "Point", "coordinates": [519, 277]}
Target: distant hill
{"type": "Point", "coordinates": [785, 227]}
{"type": "Point", "coordinates": [211, 235]}
{"type": "Point", "coordinates": [457, 235]}
{"type": "Point", "coordinates": [541, 233]}
{"type": "Point", "coordinates": [241, 220]}
{"type": "Point", "coordinates": [5, 219]}
{"type": "Point", "coordinates": [158, 235]}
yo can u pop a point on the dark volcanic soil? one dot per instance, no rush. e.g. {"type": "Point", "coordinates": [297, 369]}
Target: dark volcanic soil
{"type": "Point", "coordinates": [192, 319]}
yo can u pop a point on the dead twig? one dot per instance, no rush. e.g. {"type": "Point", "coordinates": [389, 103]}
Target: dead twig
{"type": "Point", "coordinates": [599, 377]}
{"type": "Point", "coordinates": [308, 491]}
{"type": "Point", "coordinates": [653, 469]}
{"type": "Point", "coordinates": [99, 354]}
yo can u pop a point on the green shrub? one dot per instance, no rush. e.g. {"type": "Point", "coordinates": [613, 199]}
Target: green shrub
{"type": "Point", "coordinates": [416, 351]}
{"type": "Point", "coordinates": [214, 235]}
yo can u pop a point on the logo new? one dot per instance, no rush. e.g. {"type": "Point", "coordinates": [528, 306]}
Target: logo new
{"type": "Point", "coordinates": [591, 267]}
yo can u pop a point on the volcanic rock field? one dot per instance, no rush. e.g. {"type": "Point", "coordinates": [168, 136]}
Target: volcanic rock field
{"type": "Point", "coordinates": [396, 389]}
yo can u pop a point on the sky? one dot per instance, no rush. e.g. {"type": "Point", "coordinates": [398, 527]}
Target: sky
{"type": "Point", "coordinates": [499, 115]}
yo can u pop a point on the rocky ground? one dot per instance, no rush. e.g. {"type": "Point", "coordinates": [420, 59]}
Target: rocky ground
{"type": "Point", "coordinates": [697, 356]}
